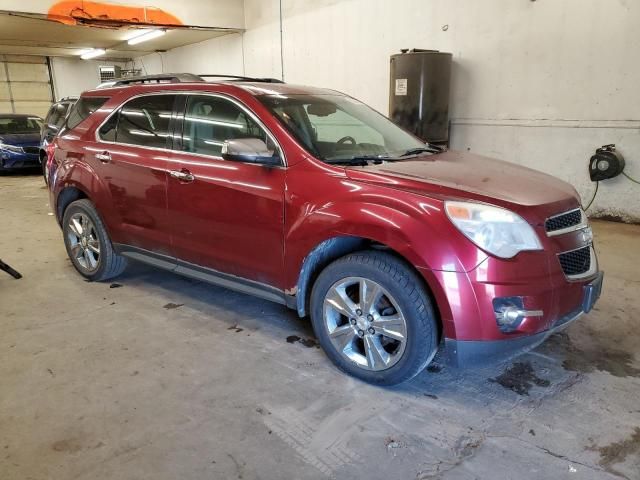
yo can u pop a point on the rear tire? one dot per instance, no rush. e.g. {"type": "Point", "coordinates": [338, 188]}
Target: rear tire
{"type": "Point", "coordinates": [88, 244]}
{"type": "Point", "coordinates": [43, 164]}
{"type": "Point", "coordinates": [373, 317]}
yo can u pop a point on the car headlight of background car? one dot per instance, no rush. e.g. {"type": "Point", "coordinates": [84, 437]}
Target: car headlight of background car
{"type": "Point", "coordinates": [496, 230]}
{"type": "Point", "coordinates": [10, 148]}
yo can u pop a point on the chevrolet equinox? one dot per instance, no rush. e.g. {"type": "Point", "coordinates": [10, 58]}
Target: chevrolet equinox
{"type": "Point", "coordinates": [395, 248]}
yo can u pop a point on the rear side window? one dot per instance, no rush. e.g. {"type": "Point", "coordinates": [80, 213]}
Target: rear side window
{"type": "Point", "coordinates": [143, 121]}
{"type": "Point", "coordinates": [83, 108]}
{"type": "Point", "coordinates": [56, 116]}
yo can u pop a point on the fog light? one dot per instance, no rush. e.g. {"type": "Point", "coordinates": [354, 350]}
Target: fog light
{"type": "Point", "coordinates": [510, 313]}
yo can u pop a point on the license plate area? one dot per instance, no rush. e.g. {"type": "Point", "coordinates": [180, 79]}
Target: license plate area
{"type": "Point", "coordinates": [592, 293]}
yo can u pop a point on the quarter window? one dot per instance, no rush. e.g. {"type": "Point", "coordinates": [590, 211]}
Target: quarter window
{"type": "Point", "coordinates": [83, 108]}
{"type": "Point", "coordinates": [209, 121]}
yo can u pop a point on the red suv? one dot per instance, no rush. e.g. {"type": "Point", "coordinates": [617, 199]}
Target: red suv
{"type": "Point", "coordinates": [307, 197]}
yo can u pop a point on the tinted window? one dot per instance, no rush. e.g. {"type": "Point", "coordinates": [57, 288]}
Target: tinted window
{"type": "Point", "coordinates": [209, 121]}
{"type": "Point", "coordinates": [54, 115]}
{"type": "Point", "coordinates": [63, 109]}
{"type": "Point", "coordinates": [142, 121]}
{"type": "Point", "coordinates": [108, 130]}
{"type": "Point", "coordinates": [83, 108]}
{"type": "Point", "coordinates": [57, 114]}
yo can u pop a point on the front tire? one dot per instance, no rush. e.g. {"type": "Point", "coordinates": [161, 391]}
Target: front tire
{"type": "Point", "coordinates": [88, 244]}
{"type": "Point", "coordinates": [373, 317]}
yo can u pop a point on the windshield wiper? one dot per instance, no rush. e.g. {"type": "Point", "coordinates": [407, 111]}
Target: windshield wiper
{"type": "Point", "coordinates": [429, 148]}
{"type": "Point", "coordinates": [360, 160]}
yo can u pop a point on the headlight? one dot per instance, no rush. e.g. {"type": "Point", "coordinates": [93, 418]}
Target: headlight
{"type": "Point", "coordinates": [495, 230]}
{"type": "Point", "coordinates": [10, 148]}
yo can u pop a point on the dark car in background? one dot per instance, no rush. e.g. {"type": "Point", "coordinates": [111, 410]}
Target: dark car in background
{"type": "Point", "coordinates": [53, 122]}
{"type": "Point", "coordinates": [19, 141]}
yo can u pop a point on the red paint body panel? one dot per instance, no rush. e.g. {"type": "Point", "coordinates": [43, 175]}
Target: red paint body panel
{"type": "Point", "coordinates": [260, 223]}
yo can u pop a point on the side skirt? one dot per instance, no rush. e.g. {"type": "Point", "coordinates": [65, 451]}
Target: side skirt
{"type": "Point", "coordinates": [204, 274]}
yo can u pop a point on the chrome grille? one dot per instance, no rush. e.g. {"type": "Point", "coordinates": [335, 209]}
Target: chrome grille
{"type": "Point", "coordinates": [576, 262]}
{"type": "Point", "coordinates": [563, 221]}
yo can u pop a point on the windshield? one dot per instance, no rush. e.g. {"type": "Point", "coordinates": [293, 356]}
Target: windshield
{"type": "Point", "coordinates": [18, 125]}
{"type": "Point", "coordinates": [336, 127]}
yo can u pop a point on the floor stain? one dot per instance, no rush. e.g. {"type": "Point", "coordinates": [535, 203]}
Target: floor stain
{"type": "Point", "coordinates": [617, 452]}
{"type": "Point", "coordinates": [307, 342]}
{"type": "Point", "coordinates": [171, 306]}
{"type": "Point", "coordinates": [519, 378]}
{"type": "Point", "coordinates": [70, 445]}
{"type": "Point", "coordinates": [598, 357]}
{"type": "Point", "coordinates": [434, 368]}
{"type": "Point", "coordinates": [236, 328]}
{"type": "Point", "coordinates": [115, 285]}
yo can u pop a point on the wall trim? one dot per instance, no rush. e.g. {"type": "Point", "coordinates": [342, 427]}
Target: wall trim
{"type": "Point", "coordinates": [548, 123]}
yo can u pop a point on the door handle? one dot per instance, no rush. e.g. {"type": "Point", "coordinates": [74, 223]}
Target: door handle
{"type": "Point", "coordinates": [183, 175]}
{"type": "Point", "coordinates": [104, 157]}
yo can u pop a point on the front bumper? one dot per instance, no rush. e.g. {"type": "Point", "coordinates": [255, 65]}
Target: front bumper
{"type": "Point", "coordinates": [15, 160]}
{"type": "Point", "coordinates": [462, 353]}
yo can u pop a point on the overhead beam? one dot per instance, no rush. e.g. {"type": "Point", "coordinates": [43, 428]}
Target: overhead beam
{"type": "Point", "coordinates": [224, 14]}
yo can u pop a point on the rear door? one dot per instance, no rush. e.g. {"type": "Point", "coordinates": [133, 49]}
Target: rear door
{"type": "Point", "coordinates": [229, 215]}
{"type": "Point", "coordinates": [131, 156]}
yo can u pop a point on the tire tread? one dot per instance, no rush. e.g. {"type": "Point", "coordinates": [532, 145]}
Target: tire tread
{"type": "Point", "coordinates": [405, 276]}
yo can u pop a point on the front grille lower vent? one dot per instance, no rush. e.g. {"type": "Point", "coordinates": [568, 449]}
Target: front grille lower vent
{"type": "Point", "coordinates": [31, 150]}
{"type": "Point", "coordinates": [564, 220]}
{"type": "Point", "coordinates": [576, 262]}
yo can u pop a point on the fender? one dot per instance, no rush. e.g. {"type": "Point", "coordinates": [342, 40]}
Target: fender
{"type": "Point", "coordinates": [426, 241]}
{"type": "Point", "coordinates": [80, 175]}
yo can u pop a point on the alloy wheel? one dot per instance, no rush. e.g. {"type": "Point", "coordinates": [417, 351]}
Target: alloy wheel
{"type": "Point", "coordinates": [84, 243]}
{"type": "Point", "coordinates": [365, 323]}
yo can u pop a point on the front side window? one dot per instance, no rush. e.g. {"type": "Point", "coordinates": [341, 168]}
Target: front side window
{"type": "Point", "coordinates": [335, 128]}
{"type": "Point", "coordinates": [210, 121]}
{"type": "Point", "coordinates": [83, 108]}
{"type": "Point", "coordinates": [143, 121]}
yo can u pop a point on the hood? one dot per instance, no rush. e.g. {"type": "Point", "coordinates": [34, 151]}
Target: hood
{"type": "Point", "coordinates": [21, 139]}
{"type": "Point", "coordinates": [462, 175]}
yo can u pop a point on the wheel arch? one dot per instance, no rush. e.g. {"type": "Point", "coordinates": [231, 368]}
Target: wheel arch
{"type": "Point", "coordinates": [66, 196]}
{"type": "Point", "coordinates": [335, 247]}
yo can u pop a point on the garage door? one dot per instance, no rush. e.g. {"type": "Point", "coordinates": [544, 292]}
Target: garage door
{"type": "Point", "coordinates": [25, 85]}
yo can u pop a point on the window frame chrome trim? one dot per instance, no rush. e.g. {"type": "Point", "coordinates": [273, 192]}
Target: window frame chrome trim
{"type": "Point", "coordinates": [584, 223]}
{"type": "Point", "coordinates": [223, 96]}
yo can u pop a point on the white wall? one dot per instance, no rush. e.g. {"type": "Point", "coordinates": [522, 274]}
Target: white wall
{"type": "Point", "coordinates": [218, 55]}
{"type": "Point", "coordinates": [542, 83]}
{"type": "Point", "coordinates": [72, 76]}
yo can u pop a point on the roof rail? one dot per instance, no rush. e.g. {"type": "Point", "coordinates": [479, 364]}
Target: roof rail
{"type": "Point", "coordinates": [160, 78]}
{"type": "Point", "coordinates": [179, 78]}
{"type": "Point", "coordinates": [241, 78]}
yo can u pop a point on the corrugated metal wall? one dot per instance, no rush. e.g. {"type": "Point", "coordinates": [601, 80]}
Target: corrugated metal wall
{"type": "Point", "coordinates": [25, 85]}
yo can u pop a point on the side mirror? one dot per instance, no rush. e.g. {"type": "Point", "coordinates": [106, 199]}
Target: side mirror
{"type": "Point", "coordinates": [252, 150]}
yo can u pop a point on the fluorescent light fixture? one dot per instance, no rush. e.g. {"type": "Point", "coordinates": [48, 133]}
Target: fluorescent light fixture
{"type": "Point", "coordinates": [146, 35]}
{"type": "Point", "coordinates": [93, 53]}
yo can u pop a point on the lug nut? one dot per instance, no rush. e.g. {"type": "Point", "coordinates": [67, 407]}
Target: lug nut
{"type": "Point", "coordinates": [359, 312]}
{"type": "Point", "coordinates": [352, 321]}
{"type": "Point", "coordinates": [371, 330]}
{"type": "Point", "coordinates": [361, 333]}
{"type": "Point", "coordinates": [370, 318]}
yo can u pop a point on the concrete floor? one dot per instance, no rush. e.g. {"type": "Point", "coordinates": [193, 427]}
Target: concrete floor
{"type": "Point", "coordinates": [166, 378]}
